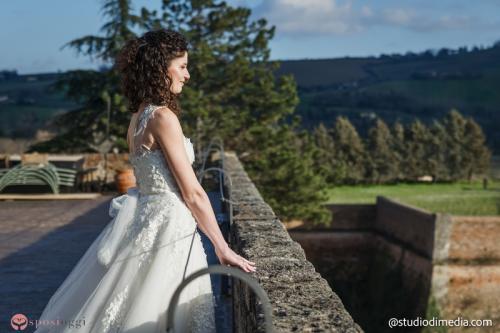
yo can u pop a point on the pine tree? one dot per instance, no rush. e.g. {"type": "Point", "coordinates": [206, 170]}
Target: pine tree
{"type": "Point", "coordinates": [476, 155]}
{"type": "Point", "coordinates": [435, 152]}
{"type": "Point", "coordinates": [456, 163]}
{"type": "Point", "coordinates": [286, 176]}
{"type": "Point", "coordinates": [350, 152]}
{"type": "Point", "coordinates": [416, 139]}
{"type": "Point", "coordinates": [398, 146]}
{"type": "Point", "coordinates": [381, 165]}
{"type": "Point", "coordinates": [91, 127]}
{"type": "Point", "coordinates": [324, 158]}
{"type": "Point", "coordinates": [233, 93]}
{"type": "Point", "coordinates": [233, 87]}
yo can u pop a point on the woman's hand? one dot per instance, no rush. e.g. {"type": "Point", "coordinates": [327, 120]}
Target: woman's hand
{"type": "Point", "coordinates": [230, 258]}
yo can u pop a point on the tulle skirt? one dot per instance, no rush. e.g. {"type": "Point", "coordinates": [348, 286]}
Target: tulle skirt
{"type": "Point", "coordinates": [125, 280]}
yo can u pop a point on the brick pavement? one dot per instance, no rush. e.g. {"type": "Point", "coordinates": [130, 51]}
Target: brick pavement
{"type": "Point", "coordinates": [40, 242]}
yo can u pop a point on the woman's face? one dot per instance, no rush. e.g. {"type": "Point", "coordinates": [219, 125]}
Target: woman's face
{"type": "Point", "coordinates": [178, 73]}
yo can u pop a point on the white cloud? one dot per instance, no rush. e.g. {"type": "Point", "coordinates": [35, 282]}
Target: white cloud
{"type": "Point", "coordinates": [313, 16]}
{"type": "Point", "coordinates": [423, 21]}
{"type": "Point", "coordinates": [398, 16]}
{"type": "Point", "coordinates": [340, 17]}
{"type": "Point", "coordinates": [366, 11]}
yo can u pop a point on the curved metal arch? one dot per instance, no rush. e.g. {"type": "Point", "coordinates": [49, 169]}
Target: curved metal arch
{"type": "Point", "coordinates": [220, 269]}
{"type": "Point", "coordinates": [202, 173]}
{"type": "Point", "coordinates": [221, 189]}
{"type": "Point", "coordinates": [47, 174]}
{"type": "Point", "coordinates": [6, 179]}
{"type": "Point", "coordinates": [218, 145]}
{"type": "Point", "coordinates": [51, 172]}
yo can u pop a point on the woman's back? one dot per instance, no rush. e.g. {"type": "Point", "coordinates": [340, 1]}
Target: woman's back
{"type": "Point", "coordinates": [150, 167]}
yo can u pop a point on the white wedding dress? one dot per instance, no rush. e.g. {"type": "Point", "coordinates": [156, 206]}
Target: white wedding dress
{"type": "Point", "coordinates": [125, 280]}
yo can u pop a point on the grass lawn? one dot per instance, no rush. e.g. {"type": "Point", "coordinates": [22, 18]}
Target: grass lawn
{"type": "Point", "coordinates": [459, 198]}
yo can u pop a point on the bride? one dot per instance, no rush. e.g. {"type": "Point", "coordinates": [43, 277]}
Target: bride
{"type": "Point", "coordinates": [125, 280]}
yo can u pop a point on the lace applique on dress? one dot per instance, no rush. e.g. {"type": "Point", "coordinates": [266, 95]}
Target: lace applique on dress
{"type": "Point", "coordinates": [147, 113]}
{"type": "Point", "coordinates": [114, 313]}
{"type": "Point", "coordinates": [144, 233]}
{"type": "Point", "coordinates": [150, 167]}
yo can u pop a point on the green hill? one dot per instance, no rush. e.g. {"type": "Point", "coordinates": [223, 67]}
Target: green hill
{"type": "Point", "coordinates": [27, 103]}
{"type": "Point", "coordinates": [404, 87]}
{"type": "Point", "coordinates": [393, 87]}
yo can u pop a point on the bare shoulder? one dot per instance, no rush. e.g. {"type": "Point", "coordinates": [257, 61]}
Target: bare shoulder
{"type": "Point", "coordinates": [164, 118]}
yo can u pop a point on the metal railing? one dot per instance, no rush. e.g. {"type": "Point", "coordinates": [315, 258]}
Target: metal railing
{"type": "Point", "coordinates": [234, 272]}
{"type": "Point", "coordinates": [224, 195]}
{"type": "Point", "coordinates": [216, 145]}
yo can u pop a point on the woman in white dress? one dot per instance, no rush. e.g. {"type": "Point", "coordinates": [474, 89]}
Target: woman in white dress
{"type": "Point", "coordinates": [125, 280]}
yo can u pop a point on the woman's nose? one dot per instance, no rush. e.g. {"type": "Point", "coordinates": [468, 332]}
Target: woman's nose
{"type": "Point", "coordinates": [186, 76]}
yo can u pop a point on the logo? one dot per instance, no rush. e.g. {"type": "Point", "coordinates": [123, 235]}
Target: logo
{"type": "Point", "coordinates": [19, 322]}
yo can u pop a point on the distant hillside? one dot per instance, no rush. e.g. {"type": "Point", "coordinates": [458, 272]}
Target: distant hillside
{"type": "Point", "coordinates": [403, 87]}
{"type": "Point", "coordinates": [27, 103]}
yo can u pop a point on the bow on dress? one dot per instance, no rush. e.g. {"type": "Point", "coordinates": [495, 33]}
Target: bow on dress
{"type": "Point", "coordinates": [121, 210]}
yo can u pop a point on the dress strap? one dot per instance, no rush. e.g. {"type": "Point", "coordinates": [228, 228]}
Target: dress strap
{"type": "Point", "coordinates": [144, 118]}
{"type": "Point", "coordinates": [142, 122]}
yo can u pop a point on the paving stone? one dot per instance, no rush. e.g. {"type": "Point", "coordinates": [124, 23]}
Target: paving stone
{"type": "Point", "coordinates": [40, 243]}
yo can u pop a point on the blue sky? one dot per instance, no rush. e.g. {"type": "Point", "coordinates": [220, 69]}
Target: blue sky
{"type": "Point", "coordinates": [33, 31]}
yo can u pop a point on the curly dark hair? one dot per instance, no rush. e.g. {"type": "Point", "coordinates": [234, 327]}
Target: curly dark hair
{"type": "Point", "coordinates": [143, 64]}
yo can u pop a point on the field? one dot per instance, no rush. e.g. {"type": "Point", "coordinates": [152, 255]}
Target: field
{"type": "Point", "coordinates": [462, 198]}
{"type": "Point", "coordinates": [459, 93]}
{"type": "Point", "coordinates": [30, 104]}
{"type": "Point", "coordinates": [400, 88]}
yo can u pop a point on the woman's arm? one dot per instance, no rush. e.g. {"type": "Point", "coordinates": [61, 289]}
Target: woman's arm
{"type": "Point", "coordinates": [167, 131]}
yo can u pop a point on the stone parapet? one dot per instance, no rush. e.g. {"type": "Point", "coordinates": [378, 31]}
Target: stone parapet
{"type": "Point", "coordinates": [301, 299]}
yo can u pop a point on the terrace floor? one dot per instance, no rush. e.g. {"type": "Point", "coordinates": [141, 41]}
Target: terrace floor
{"type": "Point", "coordinates": [40, 242]}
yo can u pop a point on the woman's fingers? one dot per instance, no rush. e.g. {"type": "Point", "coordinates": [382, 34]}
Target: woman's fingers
{"type": "Point", "coordinates": [249, 267]}
{"type": "Point", "coordinates": [245, 265]}
{"type": "Point", "coordinates": [250, 264]}
{"type": "Point", "coordinates": [236, 260]}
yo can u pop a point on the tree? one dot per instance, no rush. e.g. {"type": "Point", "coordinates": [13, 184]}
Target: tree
{"type": "Point", "coordinates": [417, 137]}
{"type": "Point", "coordinates": [381, 163]}
{"type": "Point", "coordinates": [233, 93]}
{"type": "Point", "coordinates": [476, 155]}
{"type": "Point", "coordinates": [324, 157]}
{"type": "Point", "coordinates": [286, 176]}
{"type": "Point", "coordinates": [350, 152]}
{"type": "Point", "coordinates": [399, 148]}
{"type": "Point", "coordinates": [88, 128]}
{"type": "Point", "coordinates": [233, 87]}
{"type": "Point", "coordinates": [435, 152]}
{"type": "Point", "coordinates": [454, 123]}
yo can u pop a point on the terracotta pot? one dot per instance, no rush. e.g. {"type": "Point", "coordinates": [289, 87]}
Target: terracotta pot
{"type": "Point", "coordinates": [124, 179]}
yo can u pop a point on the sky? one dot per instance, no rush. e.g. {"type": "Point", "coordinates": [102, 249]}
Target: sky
{"type": "Point", "coordinates": [32, 32]}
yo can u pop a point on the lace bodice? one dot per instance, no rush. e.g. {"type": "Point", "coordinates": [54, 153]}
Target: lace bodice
{"type": "Point", "coordinates": [151, 170]}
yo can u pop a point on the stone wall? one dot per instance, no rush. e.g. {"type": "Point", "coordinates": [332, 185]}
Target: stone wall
{"type": "Point", "coordinates": [466, 269]}
{"type": "Point", "coordinates": [393, 260]}
{"type": "Point", "coordinates": [105, 169]}
{"type": "Point", "coordinates": [301, 299]}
